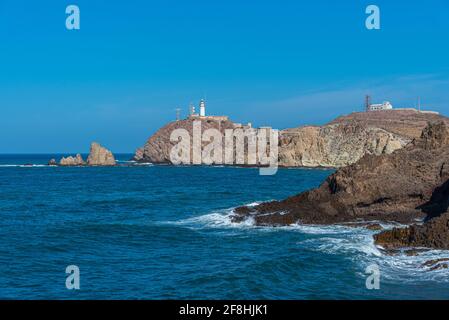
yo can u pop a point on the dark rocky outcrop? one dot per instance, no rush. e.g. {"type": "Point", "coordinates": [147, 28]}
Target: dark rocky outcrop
{"type": "Point", "coordinates": [406, 185]}
{"type": "Point", "coordinates": [437, 264]}
{"type": "Point", "coordinates": [432, 234]}
{"type": "Point", "coordinates": [412, 183]}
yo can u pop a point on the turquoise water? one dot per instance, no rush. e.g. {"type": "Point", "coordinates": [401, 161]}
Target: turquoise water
{"type": "Point", "coordinates": [163, 232]}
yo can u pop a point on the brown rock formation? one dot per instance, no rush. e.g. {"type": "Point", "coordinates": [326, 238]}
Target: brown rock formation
{"type": "Point", "coordinates": [335, 145]}
{"type": "Point", "coordinates": [72, 161]}
{"type": "Point", "coordinates": [390, 187]}
{"type": "Point", "coordinates": [432, 234]}
{"type": "Point", "coordinates": [100, 156]}
{"type": "Point", "coordinates": [158, 147]}
{"type": "Point", "coordinates": [340, 143]}
{"type": "Point", "coordinates": [405, 123]}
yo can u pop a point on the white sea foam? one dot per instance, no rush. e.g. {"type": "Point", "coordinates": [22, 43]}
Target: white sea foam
{"type": "Point", "coordinates": [143, 164]}
{"type": "Point", "coordinates": [23, 165]}
{"type": "Point", "coordinates": [357, 243]}
{"type": "Point", "coordinates": [359, 246]}
{"type": "Point", "coordinates": [218, 219]}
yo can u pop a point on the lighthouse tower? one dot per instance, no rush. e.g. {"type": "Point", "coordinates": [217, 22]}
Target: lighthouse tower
{"type": "Point", "coordinates": [202, 108]}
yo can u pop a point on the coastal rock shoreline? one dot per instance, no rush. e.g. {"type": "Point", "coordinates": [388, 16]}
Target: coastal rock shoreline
{"type": "Point", "coordinates": [409, 185]}
{"type": "Point", "coordinates": [336, 144]}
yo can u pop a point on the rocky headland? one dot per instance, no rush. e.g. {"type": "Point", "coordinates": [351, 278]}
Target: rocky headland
{"type": "Point", "coordinates": [410, 185]}
{"type": "Point", "coordinates": [339, 143]}
{"type": "Point", "coordinates": [157, 148]}
{"type": "Point", "coordinates": [347, 139]}
{"type": "Point", "coordinates": [98, 156]}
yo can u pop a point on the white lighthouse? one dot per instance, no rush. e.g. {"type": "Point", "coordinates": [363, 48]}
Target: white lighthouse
{"type": "Point", "coordinates": [202, 108]}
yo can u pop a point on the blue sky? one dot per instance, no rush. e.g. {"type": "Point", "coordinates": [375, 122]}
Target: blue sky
{"type": "Point", "coordinates": [279, 63]}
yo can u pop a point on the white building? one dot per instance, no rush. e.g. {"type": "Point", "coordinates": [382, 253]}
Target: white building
{"type": "Point", "coordinates": [202, 108]}
{"type": "Point", "coordinates": [202, 113]}
{"type": "Point", "coordinates": [386, 105]}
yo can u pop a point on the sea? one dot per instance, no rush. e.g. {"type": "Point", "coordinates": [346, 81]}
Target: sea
{"type": "Point", "coordinates": [164, 232]}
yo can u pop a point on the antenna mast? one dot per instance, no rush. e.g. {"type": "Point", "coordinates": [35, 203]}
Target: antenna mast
{"type": "Point", "coordinates": [367, 103]}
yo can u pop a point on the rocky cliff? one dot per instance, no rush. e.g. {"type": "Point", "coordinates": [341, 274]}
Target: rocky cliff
{"type": "Point", "coordinates": [409, 184]}
{"type": "Point", "coordinates": [405, 123]}
{"type": "Point", "coordinates": [336, 144]}
{"type": "Point", "coordinates": [157, 148]}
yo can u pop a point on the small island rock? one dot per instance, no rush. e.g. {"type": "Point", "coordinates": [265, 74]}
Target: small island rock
{"type": "Point", "coordinates": [100, 156]}
{"type": "Point", "coordinates": [72, 161]}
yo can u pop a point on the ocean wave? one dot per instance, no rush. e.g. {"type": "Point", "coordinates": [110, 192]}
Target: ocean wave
{"type": "Point", "coordinates": [360, 247]}
{"type": "Point", "coordinates": [143, 164]}
{"type": "Point", "coordinates": [23, 165]}
{"type": "Point", "coordinates": [355, 242]}
{"type": "Point", "coordinates": [218, 219]}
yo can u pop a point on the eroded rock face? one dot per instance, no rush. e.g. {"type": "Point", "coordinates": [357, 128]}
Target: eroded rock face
{"type": "Point", "coordinates": [335, 145]}
{"type": "Point", "coordinates": [72, 161]}
{"type": "Point", "coordinates": [158, 147]}
{"type": "Point", "coordinates": [390, 187]}
{"type": "Point", "coordinates": [100, 156]}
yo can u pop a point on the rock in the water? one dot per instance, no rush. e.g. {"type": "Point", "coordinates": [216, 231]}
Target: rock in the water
{"type": "Point", "coordinates": [432, 234]}
{"type": "Point", "coordinates": [390, 187]}
{"type": "Point", "coordinates": [100, 156]}
{"type": "Point", "coordinates": [436, 264]}
{"type": "Point", "coordinates": [439, 267]}
{"type": "Point", "coordinates": [374, 227]}
{"type": "Point", "coordinates": [414, 252]}
{"type": "Point", "coordinates": [72, 161]}
{"type": "Point", "coordinates": [52, 162]}
{"type": "Point", "coordinates": [158, 147]}
{"type": "Point", "coordinates": [432, 263]}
